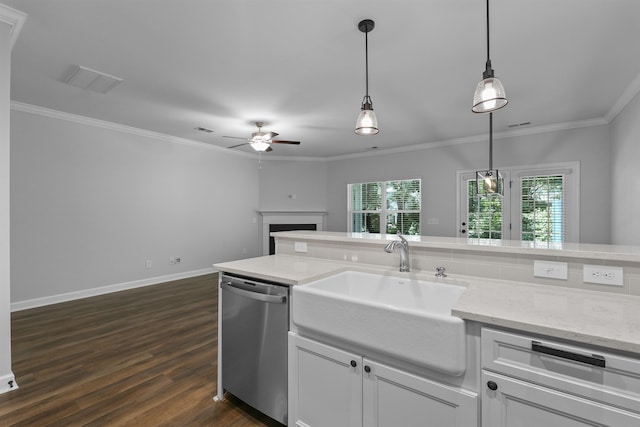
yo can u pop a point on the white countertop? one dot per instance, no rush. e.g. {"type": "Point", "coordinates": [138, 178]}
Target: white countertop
{"type": "Point", "coordinates": [287, 269]}
{"type": "Point", "coordinates": [590, 317]}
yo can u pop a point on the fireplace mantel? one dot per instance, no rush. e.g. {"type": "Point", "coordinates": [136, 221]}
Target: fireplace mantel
{"type": "Point", "coordinates": [288, 217]}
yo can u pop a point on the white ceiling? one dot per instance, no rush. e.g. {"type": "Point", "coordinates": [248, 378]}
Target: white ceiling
{"type": "Point", "coordinates": [298, 65]}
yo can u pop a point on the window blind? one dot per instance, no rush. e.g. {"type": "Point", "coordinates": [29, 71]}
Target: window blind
{"type": "Point", "coordinates": [385, 206]}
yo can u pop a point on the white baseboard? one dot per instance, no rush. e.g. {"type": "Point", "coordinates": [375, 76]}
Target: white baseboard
{"type": "Point", "coordinates": [8, 383]}
{"type": "Point", "coordinates": [70, 296]}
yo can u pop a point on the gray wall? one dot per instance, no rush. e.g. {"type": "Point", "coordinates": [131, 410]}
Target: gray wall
{"type": "Point", "coordinates": [293, 185]}
{"type": "Point", "coordinates": [437, 168]}
{"type": "Point", "coordinates": [89, 205]}
{"type": "Point", "coordinates": [625, 164]}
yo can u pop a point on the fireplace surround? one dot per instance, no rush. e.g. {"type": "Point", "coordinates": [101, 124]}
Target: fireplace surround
{"type": "Point", "coordinates": [305, 220]}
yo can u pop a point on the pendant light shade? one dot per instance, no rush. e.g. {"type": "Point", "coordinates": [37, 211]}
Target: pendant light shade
{"type": "Point", "coordinates": [490, 94]}
{"type": "Point", "coordinates": [490, 181]}
{"type": "Point", "coordinates": [367, 123]}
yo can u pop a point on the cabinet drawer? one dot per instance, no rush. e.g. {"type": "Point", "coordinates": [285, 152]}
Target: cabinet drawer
{"type": "Point", "coordinates": [518, 403]}
{"type": "Point", "coordinates": [581, 371]}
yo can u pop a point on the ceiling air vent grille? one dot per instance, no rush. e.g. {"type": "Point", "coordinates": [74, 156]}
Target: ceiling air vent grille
{"type": "Point", "coordinates": [86, 78]}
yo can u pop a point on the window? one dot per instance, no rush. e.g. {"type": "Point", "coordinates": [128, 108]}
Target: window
{"type": "Point", "coordinates": [540, 204]}
{"type": "Point", "coordinates": [385, 207]}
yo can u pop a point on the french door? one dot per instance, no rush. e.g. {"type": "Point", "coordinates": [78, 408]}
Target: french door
{"type": "Point", "coordinates": [540, 204]}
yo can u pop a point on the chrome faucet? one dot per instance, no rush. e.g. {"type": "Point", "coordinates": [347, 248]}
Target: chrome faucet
{"type": "Point", "coordinates": [404, 251]}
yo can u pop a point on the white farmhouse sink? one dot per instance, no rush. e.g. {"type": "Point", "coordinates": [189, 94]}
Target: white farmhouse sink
{"type": "Point", "coordinates": [404, 318]}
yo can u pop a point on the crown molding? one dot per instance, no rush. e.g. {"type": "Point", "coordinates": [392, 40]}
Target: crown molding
{"type": "Point", "coordinates": [32, 109]}
{"type": "Point", "coordinates": [103, 124]}
{"type": "Point", "coordinates": [56, 114]}
{"type": "Point", "coordinates": [15, 19]}
{"type": "Point", "coordinates": [478, 138]}
{"type": "Point", "coordinates": [632, 90]}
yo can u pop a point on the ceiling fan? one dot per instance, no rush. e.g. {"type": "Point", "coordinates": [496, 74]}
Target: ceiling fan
{"type": "Point", "coordinates": [261, 141]}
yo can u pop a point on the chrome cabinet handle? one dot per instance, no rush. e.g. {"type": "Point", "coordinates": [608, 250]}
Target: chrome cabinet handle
{"type": "Point", "coordinates": [280, 299]}
{"type": "Point", "coordinates": [594, 359]}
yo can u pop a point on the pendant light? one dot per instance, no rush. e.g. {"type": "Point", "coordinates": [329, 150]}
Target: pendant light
{"type": "Point", "coordinates": [367, 123]}
{"type": "Point", "coordinates": [490, 180]}
{"type": "Point", "coordinates": [489, 95]}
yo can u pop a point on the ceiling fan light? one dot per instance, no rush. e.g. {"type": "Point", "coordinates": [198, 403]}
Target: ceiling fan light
{"type": "Point", "coordinates": [489, 96]}
{"type": "Point", "coordinates": [367, 123]}
{"type": "Point", "coordinates": [260, 145]}
{"type": "Point", "coordinates": [260, 137]}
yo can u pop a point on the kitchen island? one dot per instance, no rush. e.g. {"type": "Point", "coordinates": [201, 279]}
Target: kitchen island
{"type": "Point", "coordinates": [558, 312]}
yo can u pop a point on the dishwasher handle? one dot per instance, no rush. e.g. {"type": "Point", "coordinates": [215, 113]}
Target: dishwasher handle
{"type": "Point", "coordinates": [279, 299]}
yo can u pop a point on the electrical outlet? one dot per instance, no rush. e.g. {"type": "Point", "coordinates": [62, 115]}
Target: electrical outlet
{"type": "Point", "coordinates": [172, 260]}
{"type": "Point", "coordinates": [148, 263]}
{"type": "Point", "coordinates": [602, 275]}
{"type": "Point", "coordinates": [300, 246]}
{"type": "Point", "coordinates": [550, 269]}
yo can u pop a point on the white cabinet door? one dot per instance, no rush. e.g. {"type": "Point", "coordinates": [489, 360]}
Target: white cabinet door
{"type": "Point", "coordinates": [325, 388]}
{"type": "Point", "coordinates": [523, 404]}
{"type": "Point", "coordinates": [394, 398]}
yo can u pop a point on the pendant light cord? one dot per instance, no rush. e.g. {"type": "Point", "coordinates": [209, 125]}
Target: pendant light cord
{"type": "Point", "coordinates": [366, 62]}
{"type": "Point", "coordinates": [488, 56]}
{"type": "Point", "coordinates": [488, 71]}
{"type": "Point", "coordinates": [490, 141]}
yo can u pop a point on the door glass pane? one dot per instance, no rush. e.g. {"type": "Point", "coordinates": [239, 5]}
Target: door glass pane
{"type": "Point", "coordinates": [403, 207]}
{"type": "Point", "coordinates": [484, 212]}
{"type": "Point", "coordinates": [542, 215]}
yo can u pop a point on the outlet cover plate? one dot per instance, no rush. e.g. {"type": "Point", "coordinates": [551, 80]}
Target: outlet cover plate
{"type": "Point", "coordinates": [300, 246]}
{"type": "Point", "coordinates": [603, 275]}
{"type": "Point", "coordinates": [551, 269]}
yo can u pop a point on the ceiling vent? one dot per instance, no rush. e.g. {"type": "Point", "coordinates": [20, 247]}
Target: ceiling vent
{"type": "Point", "coordinates": [201, 129]}
{"type": "Point", "coordinates": [86, 78]}
{"type": "Point", "coordinates": [515, 125]}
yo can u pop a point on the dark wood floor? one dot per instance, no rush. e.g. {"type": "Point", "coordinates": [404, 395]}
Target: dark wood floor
{"type": "Point", "coordinates": [142, 357]}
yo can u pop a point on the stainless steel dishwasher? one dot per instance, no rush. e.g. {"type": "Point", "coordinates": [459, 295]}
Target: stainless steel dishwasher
{"type": "Point", "coordinates": [255, 322]}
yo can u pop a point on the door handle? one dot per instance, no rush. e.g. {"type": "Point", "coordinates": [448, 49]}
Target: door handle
{"type": "Point", "coordinates": [279, 299]}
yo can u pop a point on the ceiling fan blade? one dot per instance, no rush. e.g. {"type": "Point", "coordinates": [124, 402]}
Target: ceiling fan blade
{"type": "Point", "coordinates": [280, 141]}
{"type": "Point", "coordinates": [239, 145]}
{"type": "Point", "coordinates": [269, 149]}
{"type": "Point", "coordinates": [271, 134]}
